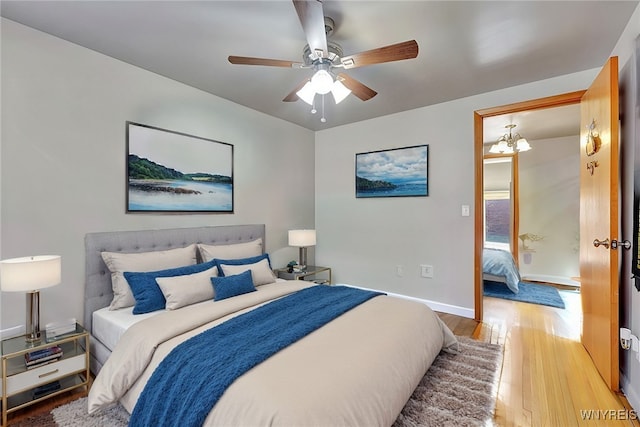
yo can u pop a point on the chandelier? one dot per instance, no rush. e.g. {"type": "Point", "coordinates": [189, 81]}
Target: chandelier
{"type": "Point", "coordinates": [510, 143]}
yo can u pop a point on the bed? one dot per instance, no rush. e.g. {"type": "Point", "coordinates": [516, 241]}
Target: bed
{"type": "Point", "coordinates": [499, 266]}
{"type": "Point", "coordinates": [359, 367]}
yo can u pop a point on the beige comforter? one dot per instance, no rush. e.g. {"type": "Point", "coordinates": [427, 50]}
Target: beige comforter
{"type": "Point", "coordinates": [360, 369]}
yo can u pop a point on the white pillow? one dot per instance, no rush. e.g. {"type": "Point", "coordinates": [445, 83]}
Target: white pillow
{"type": "Point", "coordinates": [233, 251]}
{"type": "Point", "coordinates": [261, 272]}
{"type": "Point", "coordinates": [119, 263]}
{"type": "Point", "coordinates": [188, 289]}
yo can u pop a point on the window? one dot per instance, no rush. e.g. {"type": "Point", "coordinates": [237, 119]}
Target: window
{"type": "Point", "coordinates": [497, 217]}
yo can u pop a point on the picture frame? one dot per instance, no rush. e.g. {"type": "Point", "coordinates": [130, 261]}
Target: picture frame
{"type": "Point", "coordinates": [173, 172]}
{"type": "Point", "coordinates": [395, 172]}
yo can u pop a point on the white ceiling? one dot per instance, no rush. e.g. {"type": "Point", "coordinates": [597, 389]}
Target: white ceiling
{"type": "Point", "coordinates": [466, 47]}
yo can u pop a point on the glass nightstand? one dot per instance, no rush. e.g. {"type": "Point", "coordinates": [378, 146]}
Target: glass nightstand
{"type": "Point", "coordinates": [27, 382]}
{"type": "Point", "coordinates": [312, 273]}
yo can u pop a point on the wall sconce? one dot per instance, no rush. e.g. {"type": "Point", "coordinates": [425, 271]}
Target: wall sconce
{"type": "Point", "coordinates": [30, 274]}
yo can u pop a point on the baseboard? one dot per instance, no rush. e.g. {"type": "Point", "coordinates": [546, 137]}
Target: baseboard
{"type": "Point", "coordinates": [557, 280]}
{"type": "Point", "coordinates": [434, 305]}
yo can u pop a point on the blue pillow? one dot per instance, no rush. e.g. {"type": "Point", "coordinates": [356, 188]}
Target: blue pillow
{"type": "Point", "coordinates": [146, 291]}
{"type": "Point", "coordinates": [241, 261]}
{"type": "Point", "coordinates": [231, 286]}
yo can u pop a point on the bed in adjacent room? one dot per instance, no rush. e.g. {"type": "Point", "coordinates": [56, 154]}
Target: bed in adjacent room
{"type": "Point", "coordinates": [208, 336]}
{"type": "Point", "coordinates": [498, 265]}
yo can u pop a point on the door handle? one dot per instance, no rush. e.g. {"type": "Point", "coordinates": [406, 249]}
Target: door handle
{"type": "Point", "coordinates": [615, 244]}
{"type": "Point", "coordinates": [604, 243]}
{"type": "Point", "coordinates": [625, 244]}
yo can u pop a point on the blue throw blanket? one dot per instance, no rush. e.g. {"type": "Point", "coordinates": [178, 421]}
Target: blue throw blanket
{"type": "Point", "coordinates": [189, 381]}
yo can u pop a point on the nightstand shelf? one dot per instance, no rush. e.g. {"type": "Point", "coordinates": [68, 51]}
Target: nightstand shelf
{"type": "Point", "coordinates": [312, 273]}
{"type": "Point", "coordinates": [20, 384]}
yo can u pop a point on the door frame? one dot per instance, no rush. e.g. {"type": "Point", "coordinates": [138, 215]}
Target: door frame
{"type": "Point", "coordinates": [478, 126]}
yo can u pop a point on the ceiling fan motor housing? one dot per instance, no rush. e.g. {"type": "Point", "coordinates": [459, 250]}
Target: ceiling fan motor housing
{"type": "Point", "coordinates": [335, 53]}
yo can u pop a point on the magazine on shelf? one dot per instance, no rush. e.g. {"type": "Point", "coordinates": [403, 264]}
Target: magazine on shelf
{"type": "Point", "coordinates": [45, 389]}
{"type": "Point", "coordinates": [42, 355]}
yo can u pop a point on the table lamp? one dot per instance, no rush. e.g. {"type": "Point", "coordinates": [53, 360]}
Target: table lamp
{"type": "Point", "coordinates": [302, 239]}
{"type": "Point", "coordinates": [30, 274]}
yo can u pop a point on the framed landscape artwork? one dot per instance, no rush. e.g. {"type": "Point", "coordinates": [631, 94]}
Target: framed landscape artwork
{"type": "Point", "coordinates": [170, 171]}
{"type": "Point", "coordinates": [397, 172]}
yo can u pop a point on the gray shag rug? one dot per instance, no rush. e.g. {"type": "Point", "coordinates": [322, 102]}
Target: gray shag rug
{"type": "Point", "coordinates": [458, 390]}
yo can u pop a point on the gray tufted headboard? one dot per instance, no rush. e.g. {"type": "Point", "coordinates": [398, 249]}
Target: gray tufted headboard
{"type": "Point", "coordinates": [97, 290]}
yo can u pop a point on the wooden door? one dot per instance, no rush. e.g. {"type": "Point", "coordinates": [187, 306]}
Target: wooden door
{"type": "Point", "coordinates": [599, 221]}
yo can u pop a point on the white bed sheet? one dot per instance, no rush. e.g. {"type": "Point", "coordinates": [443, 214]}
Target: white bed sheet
{"type": "Point", "coordinates": [109, 325]}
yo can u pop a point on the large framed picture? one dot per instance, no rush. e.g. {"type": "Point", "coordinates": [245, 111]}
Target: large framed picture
{"type": "Point", "coordinates": [397, 172]}
{"type": "Point", "coordinates": [170, 171]}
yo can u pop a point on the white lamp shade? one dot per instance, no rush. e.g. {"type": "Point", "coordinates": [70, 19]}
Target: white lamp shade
{"type": "Point", "coordinates": [339, 91]}
{"type": "Point", "coordinates": [307, 93]}
{"type": "Point", "coordinates": [523, 145]}
{"type": "Point", "coordinates": [302, 238]}
{"type": "Point", "coordinates": [30, 273]}
{"type": "Point", "coordinates": [322, 82]}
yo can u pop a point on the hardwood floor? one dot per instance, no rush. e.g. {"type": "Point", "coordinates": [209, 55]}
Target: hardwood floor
{"type": "Point", "coordinates": [547, 377]}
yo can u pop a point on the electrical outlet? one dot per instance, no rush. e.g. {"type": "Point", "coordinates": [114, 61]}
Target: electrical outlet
{"type": "Point", "coordinates": [426, 271]}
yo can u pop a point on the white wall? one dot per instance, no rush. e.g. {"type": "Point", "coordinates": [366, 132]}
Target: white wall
{"type": "Point", "coordinates": [549, 184]}
{"type": "Point", "coordinates": [365, 239]}
{"type": "Point", "coordinates": [63, 156]}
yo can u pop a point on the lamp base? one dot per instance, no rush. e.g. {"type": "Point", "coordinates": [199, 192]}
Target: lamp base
{"type": "Point", "coordinates": [302, 258]}
{"type": "Point", "coordinates": [33, 334]}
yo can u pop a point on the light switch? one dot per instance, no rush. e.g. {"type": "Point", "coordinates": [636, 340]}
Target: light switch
{"type": "Point", "coordinates": [465, 210]}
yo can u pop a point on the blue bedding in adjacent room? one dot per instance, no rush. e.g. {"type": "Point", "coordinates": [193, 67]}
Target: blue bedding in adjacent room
{"type": "Point", "coordinates": [498, 262]}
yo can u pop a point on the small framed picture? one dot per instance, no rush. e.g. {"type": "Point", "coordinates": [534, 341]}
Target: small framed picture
{"type": "Point", "coordinates": [397, 172]}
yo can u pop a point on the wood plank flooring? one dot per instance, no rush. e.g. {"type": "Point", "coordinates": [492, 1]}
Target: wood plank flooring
{"type": "Point", "coordinates": [547, 377]}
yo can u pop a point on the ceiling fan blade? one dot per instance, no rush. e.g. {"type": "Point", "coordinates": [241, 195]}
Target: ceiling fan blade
{"type": "Point", "coordinates": [247, 60]}
{"type": "Point", "coordinates": [293, 96]}
{"type": "Point", "coordinates": [394, 52]}
{"type": "Point", "coordinates": [358, 89]}
{"type": "Point", "coordinates": [312, 19]}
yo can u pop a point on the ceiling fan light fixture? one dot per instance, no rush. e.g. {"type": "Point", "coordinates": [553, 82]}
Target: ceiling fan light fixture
{"type": "Point", "coordinates": [307, 93]}
{"type": "Point", "coordinates": [322, 82]}
{"type": "Point", "coordinates": [339, 91]}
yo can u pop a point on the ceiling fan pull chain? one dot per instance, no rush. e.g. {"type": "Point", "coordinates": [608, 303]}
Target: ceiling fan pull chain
{"type": "Point", "coordinates": [322, 119]}
{"type": "Point", "coordinates": [313, 106]}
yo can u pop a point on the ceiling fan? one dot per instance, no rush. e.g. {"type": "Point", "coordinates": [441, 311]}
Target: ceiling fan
{"type": "Point", "coordinates": [323, 56]}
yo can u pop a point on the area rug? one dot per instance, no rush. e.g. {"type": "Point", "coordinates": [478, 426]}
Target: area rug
{"type": "Point", "coordinates": [458, 390]}
{"type": "Point", "coordinates": [528, 292]}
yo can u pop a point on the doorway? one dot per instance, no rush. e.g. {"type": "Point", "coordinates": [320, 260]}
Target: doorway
{"type": "Point", "coordinates": [479, 125]}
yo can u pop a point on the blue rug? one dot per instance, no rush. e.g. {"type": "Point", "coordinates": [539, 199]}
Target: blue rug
{"type": "Point", "coordinates": [529, 292]}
